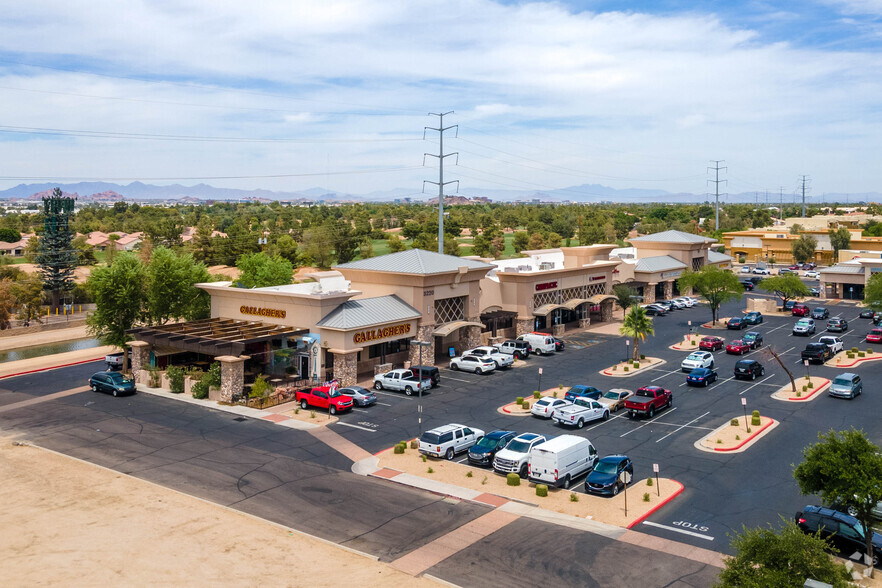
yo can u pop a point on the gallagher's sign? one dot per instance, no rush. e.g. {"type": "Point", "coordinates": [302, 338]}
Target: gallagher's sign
{"type": "Point", "coordinates": [267, 312]}
{"type": "Point", "coordinates": [374, 334]}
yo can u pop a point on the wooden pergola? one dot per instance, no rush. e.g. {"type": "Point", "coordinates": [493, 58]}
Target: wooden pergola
{"type": "Point", "coordinates": [213, 336]}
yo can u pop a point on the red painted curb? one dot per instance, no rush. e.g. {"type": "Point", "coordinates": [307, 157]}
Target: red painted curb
{"type": "Point", "coordinates": [659, 505]}
{"type": "Point", "coordinates": [876, 357]}
{"type": "Point", "coordinates": [54, 367]}
{"type": "Point", "coordinates": [812, 393]}
{"type": "Point", "coordinates": [740, 445]}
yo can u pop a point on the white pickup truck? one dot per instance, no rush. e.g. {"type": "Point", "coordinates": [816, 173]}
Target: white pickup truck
{"type": "Point", "coordinates": [402, 381]}
{"type": "Point", "coordinates": [493, 354]}
{"type": "Point", "coordinates": [580, 412]}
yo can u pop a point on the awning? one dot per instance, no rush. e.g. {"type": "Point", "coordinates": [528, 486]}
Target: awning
{"type": "Point", "coordinates": [572, 303]}
{"type": "Point", "coordinates": [598, 298]}
{"type": "Point", "coordinates": [546, 309]}
{"type": "Point", "coordinates": [448, 328]}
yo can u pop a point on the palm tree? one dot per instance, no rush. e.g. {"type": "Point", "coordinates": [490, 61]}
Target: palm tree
{"type": "Point", "coordinates": [637, 325]}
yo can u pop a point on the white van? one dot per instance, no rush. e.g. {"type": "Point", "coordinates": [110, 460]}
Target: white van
{"type": "Point", "coordinates": [541, 344]}
{"type": "Point", "coordinates": [561, 460]}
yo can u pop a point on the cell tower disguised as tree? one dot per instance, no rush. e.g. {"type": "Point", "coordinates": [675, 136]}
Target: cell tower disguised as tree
{"type": "Point", "coordinates": [55, 255]}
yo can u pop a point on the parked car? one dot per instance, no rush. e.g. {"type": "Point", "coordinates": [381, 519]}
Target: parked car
{"type": "Point", "coordinates": [845, 533]}
{"type": "Point", "coordinates": [753, 338]}
{"type": "Point", "coordinates": [540, 344]}
{"type": "Point", "coordinates": [804, 326]}
{"type": "Point", "coordinates": [427, 371]}
{"type": "Point", "coordinates": [736, 322]}
{"type": "Point", "coordinates": [874, 336]}
{"type": "Point", "coordinates": [448, 440]}
{"type": "Point", "coordinates": [745, 269]}
{"type": "Point", "coordinates": [112, 382]}
{"type": "Point", "coordinates": [652, 310]}
{"type": "Point", "coordinates": [795, 267]}
{"type": "Point", "coordinates": [755, 279]}
{"type": "Point", "coordinates": [815, 291]}
{"type": "Point", "coordinates": [514, 457]}
{"type": "Point", "coordinates": [518, 349]}
{"type": "Point", "coordinates": [847, 385]}
{"type": "Point", "coordinates": [738, 347]}
{"type": "Point", "coordinates": [581, 411]}
{"type": "Point", "coordinates": [325, 398]}
{"type": "Point", "coordinates": [753, 318]}
{"type": "Point", "coordinates": [473, 363]}
{"type": "Point", "coordinates": [687, 301]}
{"type": "Point", "coordinates": [785, 270]}
{"type": "Point", "coordinates": [666, 304]}
{"type": "Point", "coordinates": [615, 398]}
{"type": "Point", "coordinates": [711, 343]}
{"type": "Point", "coordinates": [788, 306]}
{"type": "Point", "coordinates": [561, 460]}
{"type": "Point", "coordinates": [697, 359]}
{"type": "Point", "coordinates": [747, 285]}
{"type": "Point", "coordinates": [834, 343]}
{"type": "Point", "coordinates": [701, 377]}
{"type": "Point", "coordinates": [558, 344]}
{"type": "Point", "coordinates": [762, 271]}
{"type": "Point", "coordinates": [582, 391]}
{"type": "Point", "coordinates": [800, 309]}
{"type": "Point", "coordinates": [545, 407]}
{"type": "Point", "coordinates": [648, 400]}
{"type": "Point", "coordinates": [483, 452]}
{"type": "Point", "coordinates": [837, 325]}
{"type": "Point", "coordinates": [867, 313]}
{"type": "Point", "coordinates": [748, 368]}
{"type": "Point", "coordinates": [114, 361]}
{"type": "Point", "coordinates": [816, 352]}
{"type": "Point", "coordinates": [676, 304]}
{"type": "Point", "coordinates": [606, 477]}
{"type": "Point", "coordinates": [820, 313]}
{"type": "Point", "coordinates": [486, 352]}
{"type": "Point", "coordinates": [360, 396]}
{"type": "Point", "coordinates": [401, 380]}
{"type": "Point", "coordinates": [812, 274]}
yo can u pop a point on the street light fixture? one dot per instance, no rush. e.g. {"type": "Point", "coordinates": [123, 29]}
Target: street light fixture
{"type": "Point", "coordinates": [420, 344]}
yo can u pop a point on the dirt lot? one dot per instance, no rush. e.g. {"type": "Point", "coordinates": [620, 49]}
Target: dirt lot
{"type": "Point", "coordinates": [80, 525]}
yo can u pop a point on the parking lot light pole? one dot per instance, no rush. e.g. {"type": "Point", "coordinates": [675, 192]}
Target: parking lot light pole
{"type": "Point", "coordinates": [420, 344]}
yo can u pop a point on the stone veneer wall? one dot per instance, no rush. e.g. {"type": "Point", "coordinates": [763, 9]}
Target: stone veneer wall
{"type": "Point", "coordinates": [523, 326]}
{"type": "Point", "coordinates": [424, 333]}
{"type": "Point", "coordinates": [140, 360]}
{"type": "Point", "coordinates": [346, 368]}
{"type": "Point", "coordinates": [472, 337]}
{"type": "Point", "coordinates": [232, 376]}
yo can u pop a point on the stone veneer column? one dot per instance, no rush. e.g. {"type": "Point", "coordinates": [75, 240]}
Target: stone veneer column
{"type": "Point", "coordinates": [822, 286]}
{"type": "Point", "coordinates": [606, 310]}
{"type": "Point", "coordinates": [523, 326]}
{"type": "Point", "coordinates": [424, 333]}
{"type": "Point", "coordinates": [669, 289]}
{"type": "Point", "coordinates": [232, 376]}
{"type": "Point", "coordinates": [140, 359]}
{"type": "Point", "coordinates": [649, 293]}
{"type": "Point", "coordinates": [346, 367]}
{"type": "Point", "coordinates": [472, 336]}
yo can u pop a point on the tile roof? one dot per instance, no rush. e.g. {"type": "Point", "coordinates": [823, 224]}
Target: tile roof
{"type": "Point", "coordinates": [843, 269]}
{"type": "Point", "coordinates": [673, 237]}
{"type": "Point", "coordinates": [364, 312]}
{"type": "Point", "coordinates": [660, 263]}
{"type": "Point", "coordinates": [415, 261]}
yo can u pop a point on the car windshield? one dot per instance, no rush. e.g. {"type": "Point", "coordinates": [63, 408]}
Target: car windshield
{"type": "Point", "coordinates": [749, 336]}
{"type": "Point", "coordinates": [118, 378]}
{"type": "Point", "coordinates": [803, 323]}
{"type": "Point", "coordinates": [737, 342]}
{"type": "Point", "coordinates": [486, 443]}
{"type": "Point", "coordinates": [518, 446]}
{"type": "Point", "coordinates": [842, 382]}
{"type": "Point", "coordinates": [433, 438]}
{"type": "Point", "coordinates": [612, 395]}
{"type": "Point", "coordinates": [696, 356]}
{"type": "Point", "coordinates": [605, 467]}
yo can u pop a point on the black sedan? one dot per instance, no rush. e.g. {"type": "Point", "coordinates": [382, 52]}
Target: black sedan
{"type": "Point", "coordinates": [701, 377]}
{"type": "Point", "coordinates": [736, 322]}
{"type": "Point", "coordinates": [113, 382]}
{"type": "Point", "coordinates": [606, 478]}
{"type": "Point", "coordinates": [558, 344]}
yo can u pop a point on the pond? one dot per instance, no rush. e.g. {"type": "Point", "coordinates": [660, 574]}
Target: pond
{"type": "Point", "coordinates": [49, 349]}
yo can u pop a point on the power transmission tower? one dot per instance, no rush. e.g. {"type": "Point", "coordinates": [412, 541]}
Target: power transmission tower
{"type": "Point", "coordinates": [716, 182]}
{"type": "Point", "coordinates": [804, 180]}
{"type": "Point", "coordinates": [440, 183]}
{"type": "Point", "coordinates": [781, 211]}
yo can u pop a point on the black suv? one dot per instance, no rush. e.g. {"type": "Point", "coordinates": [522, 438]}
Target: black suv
{"type": "Point", "coordinates": [845, 533]}
{"type": "Point", "coordinates": [482, 452]}
{"type": "Point", "coordinates": [428, 371]}
{"type": "Point", "coordinates": [749, 368]}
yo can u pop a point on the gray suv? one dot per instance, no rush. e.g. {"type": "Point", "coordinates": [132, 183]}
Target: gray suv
{"type": "Point", "coordinates": [846, 385]}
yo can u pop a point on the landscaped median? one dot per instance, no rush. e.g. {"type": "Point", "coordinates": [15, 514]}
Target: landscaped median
{"type": "Point", "coordinates": [689, 343]}
{"type": "Point", "coordinates": [642, 499]}
{"type": "Point", "coordinates": [735, 436]}
{"type": "Point", "coordinates": [522, 408]}
{"type": "Point", "coordinates": [629, 368]}
{"type": "Point", "coordinates": [853, 357]}
{"type": "Point", "coordinates": [719, 326]}
{"type": "Point", "coordinates": [806, 389]}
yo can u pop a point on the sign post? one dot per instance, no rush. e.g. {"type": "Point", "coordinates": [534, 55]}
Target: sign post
{"type": "Point", "coordinates": [625, 478]}
{"type": "Point", "coordinates": [655, 471]}
{"type": "Point", "coordinates": [540, 380]}
{"type": "Point", "coordinates": [744, 404]}
{"type": "Point", "coordinates": [807, 374]}
{"type": "Point", "coordinates": [627, 350]}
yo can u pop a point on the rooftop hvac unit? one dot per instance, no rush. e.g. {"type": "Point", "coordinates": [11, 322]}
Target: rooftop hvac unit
{"type": "Point", "coordinates": [524, 268]}
{"type": "Point", "coordinates": [510, 269]}
{"type": "Point", "coordinates": [546, 265]}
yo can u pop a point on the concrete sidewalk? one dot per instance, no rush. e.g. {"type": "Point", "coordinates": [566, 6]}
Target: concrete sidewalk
{"type": "Point", "coordinates": [43, 338]}
{"type": "Point", "coordinates": [56, 360]}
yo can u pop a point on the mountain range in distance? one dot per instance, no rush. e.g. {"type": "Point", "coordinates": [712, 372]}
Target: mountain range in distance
{"type": "Point", "coordinates": [587, 193]}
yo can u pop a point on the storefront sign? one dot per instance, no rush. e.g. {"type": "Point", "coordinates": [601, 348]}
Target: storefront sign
{"type": "Point", "coordinates": [546, 286]}
{"type": "Point", "coordinates": [676, 274]}
{"type": "Point", "coordinates": [374, 334]}
{"type": "Point", "coordinates": [267, 312]}
{"type": "Point", "coordinates": [596, 278]}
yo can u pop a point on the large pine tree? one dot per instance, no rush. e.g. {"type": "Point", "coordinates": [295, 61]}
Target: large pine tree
{"type": "Point", "coordinates": [56, 256]}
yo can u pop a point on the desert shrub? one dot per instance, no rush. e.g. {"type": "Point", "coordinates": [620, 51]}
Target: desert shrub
{"type": "Point", "coordinates": [742, 259]}
{"type": "Point", "coordinates": [297, 411]}
{"type": "Point", "coordinates": [574, 497]}
{"type": "Point", "coordinates": [424, 458]}
{"type": "Point", "coordinates": [513, 479]}
{"type": "Point", "coordinates": [636, 364]}
{"type": "Point", "coordinates": [734, 422]}
{"type": "Point", "coordinates": [519, 400]}
{"type": "Point", "coordinates": [541, 490]}
{"type": "Point", "coordinates": [536, 394]}
{"type": "Point", "coordinates": [799, 393]}
{"type": "Point", "coordinates": [854, 349]}
{"type": "Point", "coordinates": [849, 355]}
{"type": "Point", "coordinates": [554, 394]}
{"type": "Point", "coordinates": [861, 354]}
{"type": "Point", "coordinates": [155, 377]}
{"type": "Point", "coordinates": [312, 414]}
{"type": "Point", "coordinates": [560, 386]}
{"type": "Point", "coordinates": [738, 437]}
{"type": "Point", "coordinates": [649, 482]}
{"type": "Point", "coordinates": [755, 419]}
{"type": "Point", "coordinates": [214, 374]}
{"type": "Point", "coordinates": [175, 378]}
{"type": "Point", "coordinates": [869, 352]}
{"type": "Point", "coordinates": [398, 449]}
{"type": "Point", "coordinates": [807, 378]}
{"type": "Point", "coordinates": [642, 356]}
{"type": "Point", "coordinates": [430, 471]}
{"type": "Point", "coordinates": [484, 481]}
{"type": "Point", "coordinates": [526, 405]}
{"type": "Point", "coordinates": [468, 474]}
{"type": "Point", "coordinates": [719, 441]}
{"type": "Point", "coordinates": [615, 367]}
{"type": "Point", "coordinates": [626, 368]}
{"type": "Point", "coordinates": [259, 389]}
{"type": "Point", "coordinates": [194, 373]}
{"type": "Point", "coordinates": [646, 497]}
{"type": "Point", "coordinates": [414, 444]}
{"type": "Point", "coordinates": [200, 390]}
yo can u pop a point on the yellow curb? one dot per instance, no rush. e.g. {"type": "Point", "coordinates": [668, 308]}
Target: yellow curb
{"type": "Point", "coordinates": [620, 373]}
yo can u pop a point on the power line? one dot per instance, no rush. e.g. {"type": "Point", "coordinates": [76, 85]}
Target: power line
{"type": "Point", "coordinates": [171, 179]}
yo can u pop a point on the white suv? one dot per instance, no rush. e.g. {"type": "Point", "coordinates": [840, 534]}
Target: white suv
{"type": "Point", "coordinates": [449, 440]}
{"type": "Point", "coordinates": [473, 363]}
{"type": "Point", "coordinates": [486, 352]}
{"type": "Point", "coordinates": [697, 359]}
{"type": "Point", "coordinates": [514, 458]}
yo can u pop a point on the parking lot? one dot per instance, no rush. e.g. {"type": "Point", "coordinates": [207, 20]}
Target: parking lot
{"type": "Point", "coordinates": [723, 491]}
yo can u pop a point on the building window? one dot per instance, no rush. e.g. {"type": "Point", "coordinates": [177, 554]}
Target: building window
{"type": "Point", "coordinates": [697, 263]}
{"type": "Point", "coordinates": [388, 348]}
{"type": "Point", "coordinates": [448, 310]}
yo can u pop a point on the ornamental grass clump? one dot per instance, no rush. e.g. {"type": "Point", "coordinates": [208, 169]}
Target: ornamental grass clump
{"type": "Point", "coordinates": [755, 418]}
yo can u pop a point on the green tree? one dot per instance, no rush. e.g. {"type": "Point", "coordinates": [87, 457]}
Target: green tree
{"type": "Point", "coordinates": [170, 293]}
{"type": "Point", "coordinates": [637, 325]}
{"type": "Point", "coordinates": [259, 270]}
{"type": "Point", "coordinates": [537, 241]}
{"type": "Point", "coordinates": [481, 246]}
{"type": "Point", "coordinates": [624, 296]}
{"type": "Point", "coordinates": [396, 244]}
{"type": "Point", "coordinates": [9, 236]}
{"type": "Point", "coordinates": [451, 246]}
{"type": "Point", "coordinates": [411, 230]}
{"type": "Point", "coordinates": [7, 302]}
{"type": "Point", "coordinates": [345, 243]}
{"type": "Point", "coordinates": [839, 239]}
{"type": "Point", "coordinates": [203, 242]}
{"type": "Point", "coordinates": [366, 247]}
{"type": "Point", "coordinates": [286, 247]}
{"type": "Point", "coordinates": [785, 287]}
{"type": "Point", "coordinates": [803, 248]}
{"type": "Point", "coordinates": [553, 241]}
{"type": "Point", "coordinates": [840, 467]}
{"type": "Point", "coordinates": [118, 292]}
{"type": "Point", "coordinates": [717, 286]}
{"type": "Point", "coordinates": [55, 254]}
{"type": "Point", "coordinates": [28, 292]}
{"type": "Point", "coordinates": [85, 252]}
{"type": "Point", "coordinates": [783, 559]}
{"type": "Point", "coordinates": [520, 241]}
{"type": "Point", "coordinates": [318, 246]}
{"type": "Point", "coordinates": [796, 229]}
{"type": "Point", "coordinates": [873, 292]}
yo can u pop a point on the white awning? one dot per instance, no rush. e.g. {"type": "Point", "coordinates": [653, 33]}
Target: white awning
{"type": "Point", "coordinates": [448, 328]}
{"type": "Point", "coordinates": [546, 309]}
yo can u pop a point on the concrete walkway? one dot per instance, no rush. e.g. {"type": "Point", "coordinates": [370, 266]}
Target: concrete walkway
{"type": "Point", "coordinates": [56, 360]}
{"type": "Point", "coordinates": [43, 338]}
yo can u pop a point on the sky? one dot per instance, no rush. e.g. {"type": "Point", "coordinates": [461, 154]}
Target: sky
{"type": "Point", "coordinates": [292, 95]}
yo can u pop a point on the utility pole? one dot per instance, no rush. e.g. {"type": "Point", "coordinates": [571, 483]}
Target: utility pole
{"type": "Point", "coordinates": [441, 155]}
{"type": "Point", "coordinates": [716, 182]}
{"type": "Point", "coordinates": [781, 211]}
{"type": "Point", "coordinates": [804, 179]}
{"type": "Point", "coordinates": [756, 201]}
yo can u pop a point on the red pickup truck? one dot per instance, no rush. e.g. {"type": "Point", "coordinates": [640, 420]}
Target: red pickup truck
{"type": "Point", "coordinates": [647, 400]}
{"type": "Point", "coordinates": [324, 397]}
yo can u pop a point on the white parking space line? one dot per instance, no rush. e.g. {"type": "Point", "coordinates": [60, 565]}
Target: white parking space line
{"type": "Point", "coordinates": [356, 427]}
{"type": "Point", "coordinates": [463, 460]}
{"type": "Point", "coordinates": [604, 422]}
{"type": "Point", "coordinates": [775, 329]}
{"type": "Point", "coordinates": [666, 374]}
{"type": "Point", "coordinates": [726, 380]}
{"type": "Point", "coordinates": [359, 410]}
{"type": "Point", "coordinates": [649, 422]}
{"type": "Point", "coordinates": [681, 427]}
{"type": "Point", "coordinates": [788, 351]}
{"type": "Point", "coordinates": [383, 404]}
{"type": "Point", "coordinates": [755, 385]}
{"type": "Point", "coordinates": [684, 531]}
{"type": "Point", "coordinates": [401, 396]}
{"type": "Point", "coordinates": [459, 380]}
{"type": "Point", "coordinates": [683, 384]}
